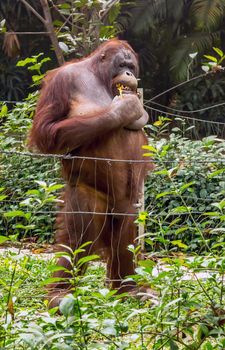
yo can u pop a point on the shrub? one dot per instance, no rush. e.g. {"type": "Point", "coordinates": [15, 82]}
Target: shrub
{"type": "Point", "coordinates": [185, 192]}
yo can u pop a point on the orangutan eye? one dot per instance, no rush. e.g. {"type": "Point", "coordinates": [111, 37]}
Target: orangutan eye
{"type": "Point", "coordinates": [131, 67]}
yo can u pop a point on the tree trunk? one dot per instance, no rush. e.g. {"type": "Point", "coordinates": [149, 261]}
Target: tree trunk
{"type": "Point", "coordinates": [50, 28]}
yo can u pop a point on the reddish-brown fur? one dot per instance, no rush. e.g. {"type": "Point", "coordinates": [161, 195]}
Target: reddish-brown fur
{"type": "Point", "coordinates": [78, 114]}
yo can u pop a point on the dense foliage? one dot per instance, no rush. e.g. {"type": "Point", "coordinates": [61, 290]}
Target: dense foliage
{"type": "Point", "coordinates": [185, 193]}
{"type": "Point", "coordinates": [184, 309]}
{"type": "Point", "coordinates": [184, 219]}
{"type": "Point", "coordinates": [164, 34]}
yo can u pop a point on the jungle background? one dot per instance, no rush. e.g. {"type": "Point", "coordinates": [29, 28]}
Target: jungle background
{"type": "Point", "coordinates": [181, 48]}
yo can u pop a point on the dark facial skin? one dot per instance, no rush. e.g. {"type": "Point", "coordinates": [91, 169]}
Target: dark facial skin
{"type": "Point", "coordinates": [124, 72]}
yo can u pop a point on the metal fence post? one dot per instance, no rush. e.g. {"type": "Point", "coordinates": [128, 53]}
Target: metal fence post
{"type": "Point", "coordinates": [141, 203]}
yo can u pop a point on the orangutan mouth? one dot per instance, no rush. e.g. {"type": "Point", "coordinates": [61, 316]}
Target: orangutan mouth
{"type": "Point", "coordinates": [121, 89]}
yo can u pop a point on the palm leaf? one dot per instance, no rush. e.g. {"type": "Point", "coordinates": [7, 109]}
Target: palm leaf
{"type": "Point", "coordinates": [179, 59]}
{"type": "Point", "coordinates": [207, 14]}
{"type": "Point", "coordinates": [146, 14]}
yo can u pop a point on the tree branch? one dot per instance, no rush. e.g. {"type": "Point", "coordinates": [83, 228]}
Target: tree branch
{"type": "Point", "coordinates": [47, 21]}
{"type": "Point", "coordinates": [50, 28]}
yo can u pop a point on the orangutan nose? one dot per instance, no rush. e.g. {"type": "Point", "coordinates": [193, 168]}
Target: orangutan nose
{"type": "Point", "coordinates": [128, 73]}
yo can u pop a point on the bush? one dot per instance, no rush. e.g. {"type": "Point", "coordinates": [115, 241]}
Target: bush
{"type": "Point", "coordinates": [185, 192]}
{"type": "Point", "coordinates": [19, 174]}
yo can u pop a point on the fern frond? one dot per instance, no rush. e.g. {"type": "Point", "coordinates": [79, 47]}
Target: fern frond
{"type": "Point", "coordinates": [207, 14]}
{"type": "Point", "coordinates": [179, 59]}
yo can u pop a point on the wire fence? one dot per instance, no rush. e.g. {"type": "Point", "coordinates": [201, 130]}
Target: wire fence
{"type": "Point", "coordinates": [31, 202]}
{"type": "Point", "coordinates": [192, 216]}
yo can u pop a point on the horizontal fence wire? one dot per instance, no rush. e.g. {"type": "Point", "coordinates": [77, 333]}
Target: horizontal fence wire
{"type": "Point", "coordinates": [148, 105]}
{"type": "Point", "coordinates": [26, 33]}
{"type": "Point", "coordinates": [109, 160]}
{"type": "Point", "coordinates": [185, 116]}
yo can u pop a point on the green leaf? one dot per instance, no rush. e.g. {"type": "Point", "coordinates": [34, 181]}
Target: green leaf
{"type": "Point", "coordinates": [3, 239]}
{"type": "Point", "coordinates": [86, 259]}
{"type": "Point", "coordinates": [37, 78]}
{"type": "Point", "coordinates": [149, 264]}
{"type": "Point", "coordinates": [217, 172]}
{"type": "Point", "coordinates": [184, 187]}
{"type": "Point", "coordinates": [212, 213]}
{"type": "Point", "coordinates": [179, 244]}
{"type": "Point", "coordinates": [220, 52]}
{"type": "Point", "coordinates": [162, 172]}
{"type": "Point", "coordinates": [219, 205]}
{"type": "Point", "coordinates": [163, 194]}
{"type": "Point", "coordinates": [35, 192]}
{"type": "Point", "coordinates": [25, 62]}
{"type": "Point", "coordinates": [181, 229]}
{"type": "Point", "coordinates": [64, 6]}
{"type": "Point", "coordinates": [83, 245]}
{"type": "Point", "coordinates": [15, 213]}
{"type": "Point", "coordinates": [25, 227]}
{"type": "Point", "coordinates": [211, 58]}
{"type": "Point", "coordinates": [148, 155]}
{"type": "Point", "coordinates": [150, 148]}
{"type": "Point", "coordinates": [52, 280]}
{"type": "Point", "coordinates": [67, 305]}
{"type": "Point", "coordinates": [55, 187]}
{"type": "Point", "coordinates": [181, 209]}
{"type": "Point", "coordinates": [4, 111]}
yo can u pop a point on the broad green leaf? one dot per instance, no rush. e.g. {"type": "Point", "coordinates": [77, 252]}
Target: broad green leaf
{"type": "Point", "coordinates": [163, 194]}
{"type": "Point", "coordinates": [219, 205]}
{"type": "Point", "coordinates": [220, 52]}
{"type": "Point", "coordinates": [181, 209]}
{"type": "Point", "coordinates": [184, 187]}
{"type": "Point", "coordinates": [147, 263]}
{"type": "Point", "coordinates": [150, 148]}
{"type": "Point", "coordinates": [181, 229]}
{"type": "Point", "coordinates": [87, 259]}
{"type": "Point", "coordinates": [37, 78]}
{"type": "Point", "coordinates": [52, 280]}
{"type": "Point", "coordinates": [4, 111]}
{"type": "Point", "coordinates": [179, 244]}
{"type": "Point", "coordinates": [148, 155]}
{"type": "Point", "coordinates": [33, 192]}
{"type": "Point", "coordinates": [162, 172]}
{"type": "Point", "coordinates": [217, 172]}
{"type": "Point", "coordinates": [67, 305]}
{"type": "Point", "coordinates": [25, 227]}
{"type": "Point", "coordinates": [3, 239]}
{"type": "Point", "coordinates": [64, 6]}
{"type": "Point", "coordinates": [28, 60]}
{"type": "Point", "coordinates": [212, 213]}
{"type": "Point", "coordinates": [211, 58]}
{"type": "Point", "coordinates": [15, 213]}
{"type": "Point", "coordinates": [55, 187]}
